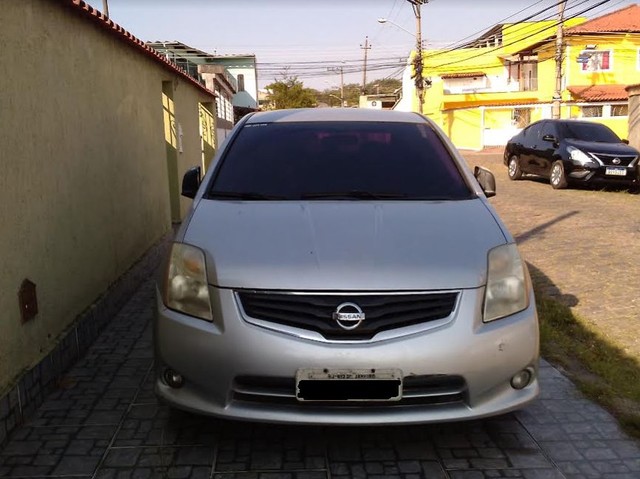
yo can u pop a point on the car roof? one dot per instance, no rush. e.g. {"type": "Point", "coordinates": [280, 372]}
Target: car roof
{"type": "Point", "coordinates": [566, 121]}
{"type": "Point", "coordinates": [335, 114]}
{"type": "Point", "coordinates": [570, 121]}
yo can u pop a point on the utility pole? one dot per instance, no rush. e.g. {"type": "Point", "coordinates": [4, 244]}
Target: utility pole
{"type": "Point", "coordinates": [105, 7]}
{"type": "Point", "coordinates": [557, 94]}
{"type": "Point", "coordinates": [341, 70]}
{"type": "Point", "coordinates": [366, 49]}
{"type": "Point", "coordinates": [418, 60]}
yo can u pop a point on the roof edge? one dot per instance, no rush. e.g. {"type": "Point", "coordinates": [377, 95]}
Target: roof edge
{"type": "Point", "coordinates": [82, 8]}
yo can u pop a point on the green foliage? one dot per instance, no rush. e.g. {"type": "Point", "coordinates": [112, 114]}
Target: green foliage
{"type": "Point", "coordinates": [289, 92]}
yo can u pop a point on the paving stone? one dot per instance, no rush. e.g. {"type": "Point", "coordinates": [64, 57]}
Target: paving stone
{"type": "Point", "coordinates": [406, 467]}
{"type": "Point", "coordinates": [432, 470]}
{"type": "Point", "coordinates": [122, 457]}
{"type": "Point", "coordinates": [157, 425]}
{"type": "Point", "coordinates": [527, 458]}
{"type": "Point", "coordinates": [76, 465]}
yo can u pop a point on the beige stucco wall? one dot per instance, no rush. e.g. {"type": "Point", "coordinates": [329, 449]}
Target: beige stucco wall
{"type": "Point", "coordinates": [634, 116]}
{"type": "Point", "coordinates": [83, 175]}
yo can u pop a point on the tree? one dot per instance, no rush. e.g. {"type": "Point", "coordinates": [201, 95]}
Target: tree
{"type": "Point", "coordinates": [289, 92]}
{"type": "Point", "coordinates": [386, 85]}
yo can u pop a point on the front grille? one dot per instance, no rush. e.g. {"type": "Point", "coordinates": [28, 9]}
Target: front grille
{"type": "Point", "coordinates": [607, 159]}
{"type": "Point", "coordinates": [314, 312]}
{"type": "Point", "coordinates": [436, 389]}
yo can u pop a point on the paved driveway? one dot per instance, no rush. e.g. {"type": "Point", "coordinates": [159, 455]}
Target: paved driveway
{"type": "Point", "coordinates": [105, 422]}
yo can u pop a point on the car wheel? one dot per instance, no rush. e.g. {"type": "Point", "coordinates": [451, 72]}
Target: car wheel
{"type": "Point", "coordinates": [515, 173]}
{"type": "Point", "coordinates": [558, 178]}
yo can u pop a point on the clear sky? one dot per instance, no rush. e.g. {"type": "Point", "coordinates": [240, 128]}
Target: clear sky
{"type": "Point", "coordinates": [283, 33]}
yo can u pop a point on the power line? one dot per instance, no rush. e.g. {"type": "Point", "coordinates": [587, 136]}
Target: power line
{"type": "Point", "coordinates": [521, 26]}
{"type": "Point", "coordinates": [455, 45]}
{"type": "Point", "coordinates": [310, 69]}
{"type": "Point", "coordinates": [300, 67]}
{"type": "Point", "coordinates": [492, 50]}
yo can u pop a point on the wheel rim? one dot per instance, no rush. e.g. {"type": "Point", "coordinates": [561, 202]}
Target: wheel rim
{"type": "Point", "coordinates": [556, 174]}
{"type": "Point", "coordinates": [513, 166]}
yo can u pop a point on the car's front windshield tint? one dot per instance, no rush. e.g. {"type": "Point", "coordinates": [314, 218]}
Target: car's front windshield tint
{"type": "Point", "coordinates": [338, 160]}
{"type": "Point", "coordinates": [590, 132]}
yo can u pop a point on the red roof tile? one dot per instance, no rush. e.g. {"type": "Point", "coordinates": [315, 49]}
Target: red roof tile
{"type": "Point", "coordinates": [625, 20]}
{"type": "Point", "coordinates": [599, 92]}
{"type": "Point", "coordinates": [462, 75]}
{"type": "Point", "coordinates": [102, 21]}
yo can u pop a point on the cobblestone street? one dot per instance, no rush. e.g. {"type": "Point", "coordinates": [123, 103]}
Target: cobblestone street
{"type": "Point", "coordinates": [104, 421]}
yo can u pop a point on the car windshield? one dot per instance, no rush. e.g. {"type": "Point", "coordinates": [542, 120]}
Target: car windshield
{"type": "Point", "coordinates": [590, 132]}
{"type": "Point", "coordinates": [338, 160]}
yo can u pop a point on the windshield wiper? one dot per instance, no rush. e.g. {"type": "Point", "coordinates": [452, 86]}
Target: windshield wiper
{"type": "Point", "coordinates": [236, 195]}
{"type": "Point", "coordinates": [353, 194]}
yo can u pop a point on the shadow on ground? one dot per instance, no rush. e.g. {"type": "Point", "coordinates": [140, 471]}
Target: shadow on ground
{"type": "Point", "coordinates": [602, 371]}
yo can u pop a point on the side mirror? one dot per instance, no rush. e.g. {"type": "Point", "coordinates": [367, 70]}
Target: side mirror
{"type": "Point", "coordinates": [550, 138]}
{"type": "Point", "coordinates": [625, 141]}
{"type": "Point", "coordinates": [486, 180]}
{"type": "Point", "coordinates": [191, 182]}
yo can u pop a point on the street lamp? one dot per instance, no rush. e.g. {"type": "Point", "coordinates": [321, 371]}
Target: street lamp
{"type": "Point", "coordinates": [417, 61]}
{"type": "Point", "coordinates": [385, 20]}
{"type": "Point", "coordinates": [341, 70]}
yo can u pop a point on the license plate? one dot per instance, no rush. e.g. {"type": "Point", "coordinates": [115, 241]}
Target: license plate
{"type": "Point", "coordinates": [616, 171]}
{"type": "Point", "coordinates": [349, 385]}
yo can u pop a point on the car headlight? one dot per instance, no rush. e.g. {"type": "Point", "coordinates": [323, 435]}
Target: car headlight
{"type": "Point", "coordinates": [186, 287]}
{"type": "Point", "coordinates": [507, 287]}
{"type": "Point", "coordinates": [579, 157]}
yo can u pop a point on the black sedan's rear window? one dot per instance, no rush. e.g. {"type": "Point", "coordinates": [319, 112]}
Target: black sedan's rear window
{"type": "Point", "coordinates": [338, 160]}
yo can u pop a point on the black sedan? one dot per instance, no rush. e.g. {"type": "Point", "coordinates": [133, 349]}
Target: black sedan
{"type": "Point", "coordinates": [570, 151]}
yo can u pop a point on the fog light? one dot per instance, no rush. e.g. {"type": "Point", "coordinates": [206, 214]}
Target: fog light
{"type": "Point", "coordinates": [173, 379]}
{"type": "Point", "coordinates": [521, 380]}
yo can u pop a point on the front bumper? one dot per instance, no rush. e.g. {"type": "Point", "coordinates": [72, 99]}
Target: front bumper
{"type": "Point", "coordinates": [212, 357]}
{"type": "Point", "coordinates": [599, 175]}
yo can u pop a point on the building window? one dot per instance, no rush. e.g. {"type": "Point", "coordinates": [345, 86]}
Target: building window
{"type": "Point", "coordinates": [241, 82]}
{"type": "Point", "coordinates": [594, 111]}
{"type": "Point", "coordinates": [619, 110]}
{"type": "Point", "coordinates": [521, 117]}
{"type": "Point", "coordinates": [596, 61]}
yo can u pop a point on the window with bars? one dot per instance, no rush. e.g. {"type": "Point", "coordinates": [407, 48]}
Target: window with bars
{"type": "Point", "coordinates": [619, 110]}
{"type": "Point", "coordinates": [521, 117]}
{"type": "Point", "coordinates": [592, 111]}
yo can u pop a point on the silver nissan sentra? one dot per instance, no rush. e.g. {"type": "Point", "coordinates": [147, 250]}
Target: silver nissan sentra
{"type": "Point", "coordinates": [343, 266]}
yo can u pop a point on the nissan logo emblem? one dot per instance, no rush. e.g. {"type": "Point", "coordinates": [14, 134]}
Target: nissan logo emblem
{"type": "Point", "coordinates": [616, 161]}
{"type": "Point", "coordinates": [348, 316]}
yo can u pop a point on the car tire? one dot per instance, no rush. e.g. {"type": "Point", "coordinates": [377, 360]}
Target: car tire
{"type": "Point", "coordinates": [558, 179]}
{"type": "Point", "coordinates": [513, 168]}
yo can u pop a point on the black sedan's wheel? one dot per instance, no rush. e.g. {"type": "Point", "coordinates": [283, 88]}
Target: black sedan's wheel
{"type": "Point", "coordinates": [515, 173]}
{"type": "Point", "coordinates": [558, 178]}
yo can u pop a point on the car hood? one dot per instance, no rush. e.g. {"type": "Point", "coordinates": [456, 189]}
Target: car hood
{"type": "Point", "coordinates": [344, 245]}
{"type": "Point", "coordinates": [621, 149]}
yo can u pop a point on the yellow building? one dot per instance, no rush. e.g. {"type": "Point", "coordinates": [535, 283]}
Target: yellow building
{"type": "Point", "coordinates": [485, 91]}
